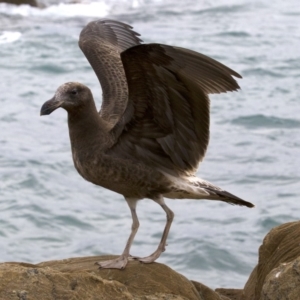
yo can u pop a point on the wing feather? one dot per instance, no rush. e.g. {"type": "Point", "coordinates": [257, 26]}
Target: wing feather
{"type": "Point", "coordinates": [166, 124]}
{"type": "Point", "coordinates": [155, 97]}
{"type": "Point", "coordinates": [102, 41]}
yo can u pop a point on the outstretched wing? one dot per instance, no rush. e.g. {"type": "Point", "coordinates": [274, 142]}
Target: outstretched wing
{"type": "Point", "coordinates": [166, 121]}
{"type": "Point", "coordinates": [102, 41]}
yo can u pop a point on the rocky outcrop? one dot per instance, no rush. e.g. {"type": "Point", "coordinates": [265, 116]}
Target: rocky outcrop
{"type": "Point", "coordinates": [276, 276]}
{"type": "Point", "coordinates": [283, 282]}
{"type": "Point", "coordinates": [279, 252]}
{"type": "Point", "coordinates": [19, 2]}
{"type": "Point", "coordinates": [80, 278]}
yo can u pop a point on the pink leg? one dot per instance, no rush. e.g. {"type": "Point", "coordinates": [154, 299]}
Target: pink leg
{"type": "Point", "coordinates": [161, 247]}
{"type": "Point", "coordinates": [121, 261]}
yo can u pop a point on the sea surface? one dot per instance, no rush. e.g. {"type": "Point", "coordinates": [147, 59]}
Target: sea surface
{"type": "Point", "coordinates": [48, 212]}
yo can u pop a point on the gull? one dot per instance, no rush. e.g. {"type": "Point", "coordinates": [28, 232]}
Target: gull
{"type": "Point", "coordinates": [152, 130]}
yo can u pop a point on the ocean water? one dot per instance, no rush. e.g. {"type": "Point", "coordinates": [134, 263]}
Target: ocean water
{"type": "Point", "coordinates": [47, 211]}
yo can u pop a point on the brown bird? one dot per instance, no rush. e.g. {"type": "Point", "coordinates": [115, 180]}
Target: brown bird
{"type": "Point", "coordinates": [153, 127]}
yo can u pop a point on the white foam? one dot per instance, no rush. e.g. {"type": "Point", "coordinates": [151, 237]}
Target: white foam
{"type": "Point", "coordinates": [92, 9]}
{"type": "Point", "coordinates": [9, 36]}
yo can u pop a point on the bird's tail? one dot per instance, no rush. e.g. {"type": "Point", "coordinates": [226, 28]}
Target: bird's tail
{"type": "Point", "coordinates": [221, 195]}
{"type": "Point", "coordinates": [196, 188]}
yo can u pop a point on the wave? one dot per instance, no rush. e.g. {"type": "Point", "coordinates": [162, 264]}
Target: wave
{"type": "Point", "coordinates": [9, 36]}
{"type": "Point", "coordinates": [92, 9]}
{"type": "Point", "coordinates": [262, 121]}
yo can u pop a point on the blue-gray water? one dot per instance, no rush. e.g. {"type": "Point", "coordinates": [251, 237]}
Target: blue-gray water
{"type": "Point", "coordinates": [47, 211]}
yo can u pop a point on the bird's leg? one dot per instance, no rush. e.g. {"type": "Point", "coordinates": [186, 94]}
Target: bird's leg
{"type": "Point", "coordinates": [161, 247]}
{"type": "Point", "coordinates": [121, 261]}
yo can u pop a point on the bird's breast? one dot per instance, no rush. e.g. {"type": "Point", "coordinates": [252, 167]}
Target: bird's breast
{"type": "Point", "coordinates": [119, 175]}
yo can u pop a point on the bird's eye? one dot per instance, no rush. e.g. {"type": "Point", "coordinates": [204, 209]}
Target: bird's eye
{"type": "Point", "coordinates": [74, 92]}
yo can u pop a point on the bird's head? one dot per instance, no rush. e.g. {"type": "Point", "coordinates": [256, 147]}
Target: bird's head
{"type": "Point", "coordinates": [72, 96]}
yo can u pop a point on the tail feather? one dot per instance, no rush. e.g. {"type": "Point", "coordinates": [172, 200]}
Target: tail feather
{"type": "Point", "coordinates": [227, 197]}
{"type": "Point", "coordinates": [197, 188]}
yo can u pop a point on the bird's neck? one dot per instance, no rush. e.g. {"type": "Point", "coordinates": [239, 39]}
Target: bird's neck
{"type": "Point", "coordinates": [86, 129]}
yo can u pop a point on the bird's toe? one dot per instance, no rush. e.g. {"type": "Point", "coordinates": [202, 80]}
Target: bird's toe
{"type": "Point", "coordinates": [118, 263]}
{"type": "Point", "coordinates": [151, 258]}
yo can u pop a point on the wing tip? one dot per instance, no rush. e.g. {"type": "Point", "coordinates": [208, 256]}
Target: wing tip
{"type": "Point", "coordinates": [115, 32]}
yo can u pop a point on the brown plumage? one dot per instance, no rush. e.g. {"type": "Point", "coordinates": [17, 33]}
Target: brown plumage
{"type": "Point", "coordinates": [153, 127]}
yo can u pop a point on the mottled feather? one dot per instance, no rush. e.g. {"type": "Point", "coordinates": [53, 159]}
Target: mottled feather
{"type": "Point", "coordinates": [102, 42]}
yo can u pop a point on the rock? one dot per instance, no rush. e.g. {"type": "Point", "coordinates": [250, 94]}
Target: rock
{"type": "Point", "coordinates": [231, 294]}
{"type": "Point", "coordinates": [19, 2]}
{"type": "Point", "coordinates": [278, 253]}
{"type": "Point", "coordinates": [207, 293]}
{"type": "Point", "coordinates": [276, 276]}
{"type": "Point", "coordinates": [283, 282]}
{"type": "Point", "coordinates": [80, 278]}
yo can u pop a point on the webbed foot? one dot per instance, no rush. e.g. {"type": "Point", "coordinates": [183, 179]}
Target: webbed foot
{"type": "Point", "coordinates": [149, 259]}
{"type": "Point", "coordinates": [118, 263]}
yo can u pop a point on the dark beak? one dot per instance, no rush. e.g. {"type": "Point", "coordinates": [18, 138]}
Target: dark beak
{"type": "Point", "coordinates": [49, 106]}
